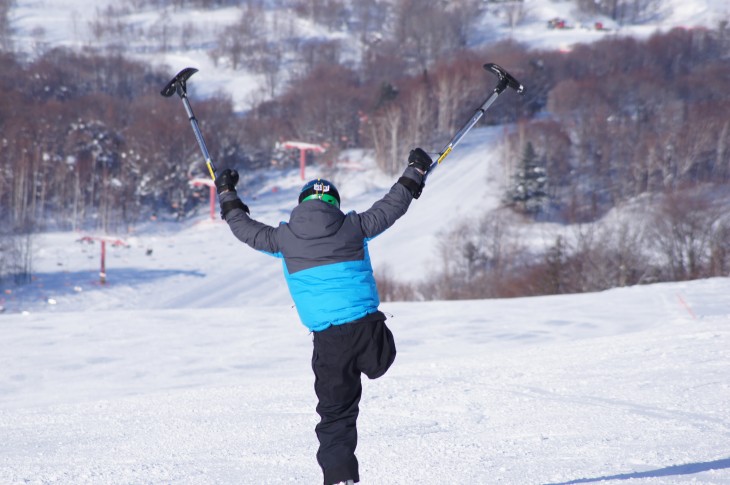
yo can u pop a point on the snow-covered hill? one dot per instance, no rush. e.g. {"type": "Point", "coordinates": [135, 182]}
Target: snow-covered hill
{"type": "Point", "coordinates": [191, 33]}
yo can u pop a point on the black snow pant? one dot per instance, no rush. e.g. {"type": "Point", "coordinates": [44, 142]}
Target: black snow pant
{"type": "Point", "coordinates": [341, 353]}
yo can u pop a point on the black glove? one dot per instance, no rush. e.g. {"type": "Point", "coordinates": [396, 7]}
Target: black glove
{"type": "Point", "coordinates": [419, 160]}
{"type": "Point", "coordinates": [236, 203]}
{"type": "Point", "coordinates": [226, 181]}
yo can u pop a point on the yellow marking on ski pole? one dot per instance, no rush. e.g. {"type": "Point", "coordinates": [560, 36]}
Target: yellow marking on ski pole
{"type": "Point", "coordinates": [443, 155]}
{"type": "Point", "coordinates": [209, 164]}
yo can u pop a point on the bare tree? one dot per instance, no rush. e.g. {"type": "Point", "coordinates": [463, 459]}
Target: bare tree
{"type": "Point", "coordinates": [330, 13]}
{"type": "Point", "coordinates": [16, 257]}
{"type": "Point", "coordinates": [390, 289]}
{"type": "Point", "coordinates": [688, 230]}
{"type": "Point", "coordinates": [385, 132]}
{"type": "Point", "coordinates": [242, 41]}
{"type": "Point", "coordinates": [370, 18]}
{"type": "Point", "coordinates": [426, 31]}
{"type": "Point", "coordinates": [477, 259]}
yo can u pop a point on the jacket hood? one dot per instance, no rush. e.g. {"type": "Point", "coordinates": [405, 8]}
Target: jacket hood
{"type": "Point", "coordinates": [314, 219]}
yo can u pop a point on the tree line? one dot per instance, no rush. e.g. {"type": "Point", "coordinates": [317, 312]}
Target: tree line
{"type": "Point", "coordinates": [674, 236]}
{"type": "Point", "coordinates": [623, 117]}
{"type": "Point", "coordinates": [88, 142]}
{"type": "Point", "coordinates": [608, 121]}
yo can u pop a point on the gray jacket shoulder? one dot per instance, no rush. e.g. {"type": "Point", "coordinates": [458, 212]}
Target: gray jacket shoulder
{"type": "Point", "coordinates": [258, 235]}
{"type": "Point", "coordinates": [390, 208]}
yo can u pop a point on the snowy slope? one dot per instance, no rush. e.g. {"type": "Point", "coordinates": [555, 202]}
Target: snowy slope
{"type": "Point", "coordinates": [630, 384]}
{"type": "Point", "coordinates": [203, 265]}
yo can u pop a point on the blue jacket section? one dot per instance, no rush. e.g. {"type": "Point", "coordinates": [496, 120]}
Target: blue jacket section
{"type": "Point", "coordinates": [326, 261]}
{"type": "Point", "coordinates": [333, 294]}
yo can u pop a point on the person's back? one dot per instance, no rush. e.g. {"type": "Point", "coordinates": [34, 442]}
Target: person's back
{"type": "Point", "coordinates": [327, 265]}
{"type": "Point", "coordinates": [330, 277]}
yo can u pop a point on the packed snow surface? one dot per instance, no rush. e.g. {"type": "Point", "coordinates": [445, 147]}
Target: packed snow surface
{"type": "Point", "coordinates": [630, 384]}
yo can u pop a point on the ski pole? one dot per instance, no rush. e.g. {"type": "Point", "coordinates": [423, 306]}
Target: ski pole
{"type": "Point", "coordinates": [505, 81]}
{"type": "Point", "coordinates": [178, 85]}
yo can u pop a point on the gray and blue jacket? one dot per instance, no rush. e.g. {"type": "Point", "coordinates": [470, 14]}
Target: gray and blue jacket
{"type": "Point", "coordinates": [325, 253]}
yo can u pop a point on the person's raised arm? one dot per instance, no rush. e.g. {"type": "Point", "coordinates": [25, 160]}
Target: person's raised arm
{"type": "Point", "coordinates": [390, 208]}
{"type": "Point", "coordinates": [256, 234]}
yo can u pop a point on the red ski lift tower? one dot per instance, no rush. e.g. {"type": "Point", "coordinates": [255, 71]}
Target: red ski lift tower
{"type": "Point", "coordinates": [209, 182]}
{"type": "Point", "coordinates": [114, 242]}
{"type": "Point", "coordinates": [303, 147]}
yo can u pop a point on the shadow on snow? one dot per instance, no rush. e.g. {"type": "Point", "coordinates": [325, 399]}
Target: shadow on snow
{"type": "Point", "coordinates": [67, 283]}
{"type": "Point", "coordinates": [687, 469]}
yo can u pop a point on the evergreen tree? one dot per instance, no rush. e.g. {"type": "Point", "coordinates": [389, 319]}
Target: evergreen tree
{"type": "Point", "coordinates": [529, 192]}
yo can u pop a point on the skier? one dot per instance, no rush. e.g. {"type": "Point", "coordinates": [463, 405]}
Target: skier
{"type": "Point", "coordinates": [330, 278]}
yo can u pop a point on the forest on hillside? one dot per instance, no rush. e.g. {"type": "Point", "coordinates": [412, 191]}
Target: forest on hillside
{"type": "Point", "coordinates": [89, 142]}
